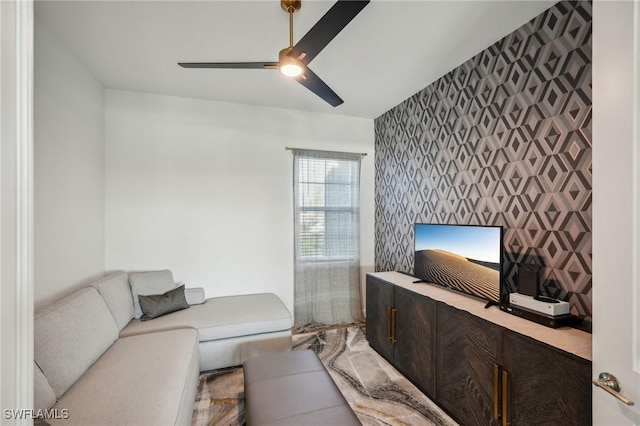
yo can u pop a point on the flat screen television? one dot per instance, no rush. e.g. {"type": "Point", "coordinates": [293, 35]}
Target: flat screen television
{"type": "Point", "coordinates": [465, 258]}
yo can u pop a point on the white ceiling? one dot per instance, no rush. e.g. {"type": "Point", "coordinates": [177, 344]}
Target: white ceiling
{"type": "Point", "coordinates": [391, 50]}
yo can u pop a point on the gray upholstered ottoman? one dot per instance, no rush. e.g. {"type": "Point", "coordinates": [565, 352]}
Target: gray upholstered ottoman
{"type": "Point", "coordinates": [293, 388]}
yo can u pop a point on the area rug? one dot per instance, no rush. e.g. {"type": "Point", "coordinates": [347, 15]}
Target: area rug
{"type": "Point", "coordinates": [220, 398]}
{"type": "Point", "coordinates": [377, 393]}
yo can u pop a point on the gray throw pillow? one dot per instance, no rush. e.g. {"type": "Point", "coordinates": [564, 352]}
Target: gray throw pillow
{"type": "Point", "coordinates": [150, 282]}
{"type": "Point", "coordinates": [157, 305]}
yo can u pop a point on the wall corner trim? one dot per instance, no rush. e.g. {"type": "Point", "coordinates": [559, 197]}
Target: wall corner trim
{"type": "Point", "coordinates": [24, 207]}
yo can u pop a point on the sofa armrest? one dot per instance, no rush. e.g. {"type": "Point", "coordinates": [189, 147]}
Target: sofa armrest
{"type": "Point", "coordinates": [194, 296]}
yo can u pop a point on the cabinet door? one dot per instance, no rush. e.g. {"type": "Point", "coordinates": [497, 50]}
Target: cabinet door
{"type": "Point", "coordinates": [546, 386]}
{"type": "Point", "coordinates": [379, 304]}
{"type": "Point", "coordinates": [467, 349]}
{"type": "Point", "coordinates": [414, 351]}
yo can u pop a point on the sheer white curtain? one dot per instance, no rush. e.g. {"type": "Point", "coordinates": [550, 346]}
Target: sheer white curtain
{"type": "Point", "coordinates": [327, 238]}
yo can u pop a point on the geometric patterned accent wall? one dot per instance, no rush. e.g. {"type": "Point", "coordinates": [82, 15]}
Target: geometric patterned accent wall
{"type": "Point", "coordinates": [503, 139]}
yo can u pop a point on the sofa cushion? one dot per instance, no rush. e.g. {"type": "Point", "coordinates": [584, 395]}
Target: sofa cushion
{"type": "Point", "coordinates": [43, 395]}
{"type": "Point", "coordinates": [149, 379]}
{"type": "Point", "coordinates": [70, 335]}
{"type": "Point", "coordinates": [157, 305]}
{"type": "Point", "coordinates": [194, 296]}
{"type": "Point", "coordinates": [115, 290]}
{"type": "Point", "coordinates": [223, 317]}
{"type": "Point", "coordinates": [146, 283]}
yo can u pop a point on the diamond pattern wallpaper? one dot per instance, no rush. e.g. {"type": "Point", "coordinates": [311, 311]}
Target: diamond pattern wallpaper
{"type": "Point", "coordinates": [503, 139]}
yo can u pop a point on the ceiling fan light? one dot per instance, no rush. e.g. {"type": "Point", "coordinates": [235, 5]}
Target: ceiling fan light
{"type": "Point", "coordinates": [291, 69]}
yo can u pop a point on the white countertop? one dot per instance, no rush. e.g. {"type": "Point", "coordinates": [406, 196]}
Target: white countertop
{"type": "Point", "coordinates": [568, 339]}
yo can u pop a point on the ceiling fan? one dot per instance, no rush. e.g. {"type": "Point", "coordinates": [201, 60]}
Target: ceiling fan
{"type": "Point", "coordinates": [294, 60]}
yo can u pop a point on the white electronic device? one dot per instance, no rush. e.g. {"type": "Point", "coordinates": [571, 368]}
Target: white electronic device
{"type": "Point", "coordinates": [551, 308]}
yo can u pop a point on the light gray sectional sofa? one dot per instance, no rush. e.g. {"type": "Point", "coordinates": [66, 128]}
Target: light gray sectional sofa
{"type": "Point", "coordinates": [97, 364]}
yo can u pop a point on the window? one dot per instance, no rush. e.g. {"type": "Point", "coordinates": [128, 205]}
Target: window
{"type": "Point", "coordinates": [327, 209]}
{"type": "Point", "coordinates": [327, 237]}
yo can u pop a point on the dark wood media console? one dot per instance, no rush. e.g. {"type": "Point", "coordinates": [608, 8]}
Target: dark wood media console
{"type": "Point", "coordinates": [483, 366]}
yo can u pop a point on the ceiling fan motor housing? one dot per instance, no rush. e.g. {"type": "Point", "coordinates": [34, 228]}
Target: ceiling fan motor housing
{"type": "Point", "coordinates": [289, 66]}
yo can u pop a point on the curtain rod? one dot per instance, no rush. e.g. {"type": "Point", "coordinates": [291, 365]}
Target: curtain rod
{"type": "Point", "coordinates": [364, 154]}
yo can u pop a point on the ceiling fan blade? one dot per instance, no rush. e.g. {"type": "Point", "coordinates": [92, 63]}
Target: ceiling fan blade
{"type": "Point", "coordinates": [230, 65]}
{"type": "Point", "coordinates": [326, 29]}
{"type": "Point", "coordinates": [312, 82]}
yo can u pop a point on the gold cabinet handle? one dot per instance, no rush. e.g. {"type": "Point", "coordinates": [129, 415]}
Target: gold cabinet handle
{"type": "Point", "coordinates": [496, 391]}
{"type": "Point", "coordinates": [389, 328]}
{"type": "Point", "coordinates": [393, 325]}
{"type": "Point", "coordinates": [505, 398]}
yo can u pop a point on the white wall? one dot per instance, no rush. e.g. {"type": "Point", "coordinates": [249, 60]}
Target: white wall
{"type": "Point", "coordinates": [69, 171]}
{"type": "Point", "coordinates": [205, 188]}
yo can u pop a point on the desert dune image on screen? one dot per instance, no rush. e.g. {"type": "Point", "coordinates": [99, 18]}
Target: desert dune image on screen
{"type": "Point", "coordinates": [463, 258]}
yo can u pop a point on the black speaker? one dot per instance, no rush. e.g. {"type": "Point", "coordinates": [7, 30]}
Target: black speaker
{"type": "Point", "coordinates": [528, 279]}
